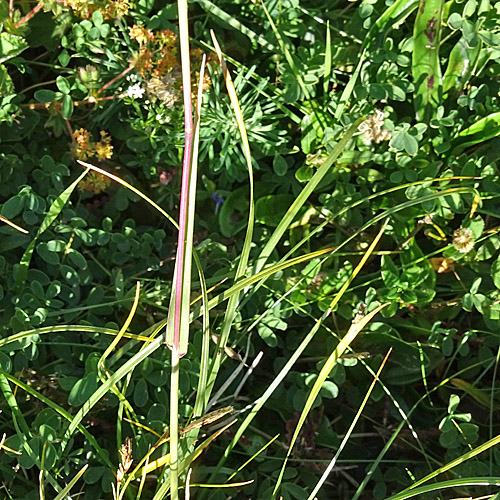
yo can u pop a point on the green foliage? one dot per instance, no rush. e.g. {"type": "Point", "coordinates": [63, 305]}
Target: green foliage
{"type": "Point", "coordinates": [78, 81]}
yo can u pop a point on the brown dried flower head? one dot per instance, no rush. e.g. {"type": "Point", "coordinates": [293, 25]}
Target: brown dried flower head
{"type": "Point", "coordinates": [372, 128]}
{"type": "Point", "coordinates": [126, 459]}
{"type": "Point", "coordinates": [463, 240]}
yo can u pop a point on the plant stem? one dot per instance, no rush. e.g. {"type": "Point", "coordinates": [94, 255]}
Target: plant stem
{"type": "Point", "coordinates": [28, 16]}
{"type": "Point", "coordinates": [174, 425]}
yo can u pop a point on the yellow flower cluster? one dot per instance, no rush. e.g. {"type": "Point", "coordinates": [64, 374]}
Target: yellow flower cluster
{"type": "Point", "coordinates": [94, 182]}
{"type": "Point", "coordinates": [109, 9]}
{"type": "Point", "coordinates": [157, 51]}
{"type": "Point", "coordinates": [84, 149]}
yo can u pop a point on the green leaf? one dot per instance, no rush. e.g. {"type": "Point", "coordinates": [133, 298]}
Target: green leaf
{"type": "Point", "coordinates": [232, 211]}
{"type": "Point", "coordinates": [82, 390]}
{"type": "Point", "coordinates": [67, 107]}
{"type": "Point", "coordinates": [141, 393]}
{"type": "Point", "coordinates": [63, 85]}
{"type": "Point", "coordinates": [54, 210]}
{"type": "Point", "coordinates": [495, 272]}
{"type": "Point", "coordinates": [11, 46]}
{"type": "Point", "coordinates": [46, 95]}
{"type": "Point", "coordinates": [6, 85]}
{"type": "Point", "coordinates": [402, 140]}
{"type": "Point", "coordinates": [490, 38]}
{"type": "Point", "coordinates": [280, 165]}
{"type": "Point", "coordinates": [13, 207]}
{"type": "Point", "coordinates": [425, 62]}
{"type": "Point", "coordinates": [484, 129]}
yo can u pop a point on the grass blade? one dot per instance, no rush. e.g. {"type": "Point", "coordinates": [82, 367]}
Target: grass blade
{"type": "Point", "coordinates": [303, 196]}
{"type": "Point", "coordinates": [453, 483]}
{"type": "Point", "coordinates": [214, 10]}
{"type": "Point", "coordinates": [331, 465]}
{"type": "Point", "coordinates": [64, 492]}
{"type": "Point", "coordinates": [54, 210]}
{"type": "Point", "coordinates": [352, 333]}
{"type": "Point", "coordinates": [245, 252]}
{"type": "Point", "coordinates": [484, 129]}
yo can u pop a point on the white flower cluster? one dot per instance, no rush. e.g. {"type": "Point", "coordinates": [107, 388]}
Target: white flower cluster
{"type": "Point", "coordinates": [135, 91]}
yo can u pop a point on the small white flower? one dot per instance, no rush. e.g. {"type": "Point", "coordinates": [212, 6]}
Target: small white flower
{"type": "Point", "coordinates": [135, 91]}
{"type": "Point", "coordinates": [133, 78]}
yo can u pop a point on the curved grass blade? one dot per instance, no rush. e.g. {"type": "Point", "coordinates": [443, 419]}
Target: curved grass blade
{"type": "Point", "coordinates": [453, 483]}
{"type": "Point", "coordinates": [102, 372]}
{"type": "Point", "coordinates": [303, 196]}
{"type": "Point", "coordinates": [245, 252]}
{"type": "Point", "coordinates": [426, 68]}
{"type": "Point", "coordinates": [64, 492]}
{"type": "Point", "coordinates": [101, 391]}
{"type": "Point", "coordinates": [463, 458]}
{"type": "Point", "coordinates": [59, 409]}
{"type": "Point", "coordinates": [55, 209]}
{"type": "Point", "coordinates": [132, 188]}
{"type": "Point", "coordinates": [352, 333]}
{"type": "Point", "coordinates": [331, 465]}
{"type": "Point", "coordinates": [68, 328]}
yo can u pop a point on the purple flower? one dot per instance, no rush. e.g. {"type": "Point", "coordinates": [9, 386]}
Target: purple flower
{"type": "Point", "coordinates": [219, 200]}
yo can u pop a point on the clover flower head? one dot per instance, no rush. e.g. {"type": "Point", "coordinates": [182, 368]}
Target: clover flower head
{"type": "Point", "coordinates": [463, 240]}
{"type": "Point", "coordinates": [372, 129]}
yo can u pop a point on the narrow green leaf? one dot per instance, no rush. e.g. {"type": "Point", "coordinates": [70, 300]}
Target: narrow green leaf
{"type": "Point", "coordinates": [64, 492]}
{"type": "Point", "coordinates": [214, 10]}
{"type": "Point", "coordinates": [484, 129]}
{"type": "Point", "coordinates": [183, 262]}
{"type": "Point", "coordinates": [59, 409]}
{"type": "Point", "coordinates": [425, 63]}
{"type": "Point", "coordinates": [303, 196]}
{"type": "Point", "coordinates": [346, 341]}
{"type": "Point", "coordinates": [54, 210]}
{"type": "Point", "coordinates": [453, 483]}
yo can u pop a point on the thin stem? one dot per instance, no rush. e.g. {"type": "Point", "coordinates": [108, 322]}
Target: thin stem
{"type": "Point", "coordinates": [174, 425]}
{"type": "Point", "coordinates": [116, 78]}
{"type": "Point", "coordinates": [28, 16]}
{"type": "Point", "coordinates": [89, 100]}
